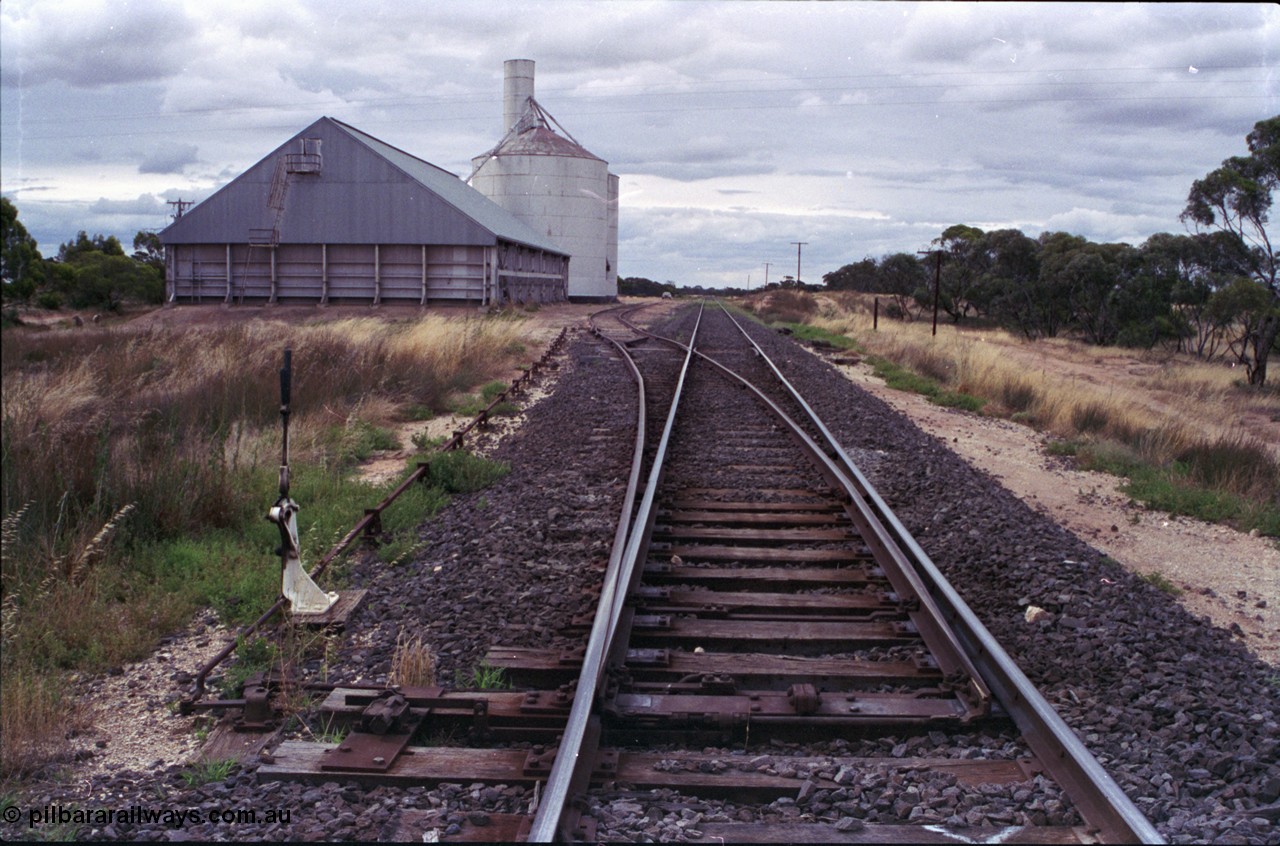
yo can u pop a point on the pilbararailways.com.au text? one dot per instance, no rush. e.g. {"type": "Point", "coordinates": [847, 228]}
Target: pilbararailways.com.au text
{"type": "Point", "coordinates": [136, 815]}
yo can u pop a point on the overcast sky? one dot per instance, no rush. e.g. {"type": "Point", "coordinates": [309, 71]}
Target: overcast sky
{"type": "Point", "coordinates": [736, 128]}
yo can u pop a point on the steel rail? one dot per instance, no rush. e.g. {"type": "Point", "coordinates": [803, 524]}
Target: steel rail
{"type": "Point", "coordinates": [573, 761]}
{"type": "Point", "coordinates": [952, 657]}
{"type": "Point", "coordinates": [1097, 795]}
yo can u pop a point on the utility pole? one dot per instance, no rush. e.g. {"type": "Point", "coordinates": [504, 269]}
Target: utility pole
{"type": "Point", "coordinates": [799, 245]}
{"type": "Point", "coordinates": [766, 274]}
{"type": "Point", "coordinates": [937, 284]}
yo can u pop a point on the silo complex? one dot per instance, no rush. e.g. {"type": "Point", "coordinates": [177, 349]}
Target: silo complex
{"type": "Point", "coordinates": [550, 182]}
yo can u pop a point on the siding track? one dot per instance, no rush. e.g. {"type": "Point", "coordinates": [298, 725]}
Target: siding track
{"type": "Point", "coordinates": [763, 616]}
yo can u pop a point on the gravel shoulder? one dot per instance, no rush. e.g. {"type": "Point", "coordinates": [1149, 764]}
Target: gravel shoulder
{"type": "Point", "coordinates": [1228, 576]}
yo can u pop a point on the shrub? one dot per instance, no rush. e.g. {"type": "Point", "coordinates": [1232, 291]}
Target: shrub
{"type": "Point", "coordinates": [1090, 417]}
{"type": "Point", "coordinates": [1235, 462]}
{"type": "Point", "coordinates": [1018, 395]}
{"type": "Point", "coordinates": [786, 306]}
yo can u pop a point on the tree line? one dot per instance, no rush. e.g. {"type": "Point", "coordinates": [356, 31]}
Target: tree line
{"type": "Point", "coordinates": [88, 272]}
{"type": "Point", "coordinates": [1210, 292]}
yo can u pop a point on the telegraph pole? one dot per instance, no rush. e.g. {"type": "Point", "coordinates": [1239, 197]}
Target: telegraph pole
{"type": "Point", "coordinates": [799, 245]}
{"type": "Point", "coordinates": [937, 284]}
{"type": "Point", "coordinates": [766, 274]}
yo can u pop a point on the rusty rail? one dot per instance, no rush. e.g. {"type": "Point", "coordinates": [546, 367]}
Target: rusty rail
{"type": "Point", "coordinates": [573, 764]}
{"type": "Point", "coordinates": [373, 516]}
{"type": "Point", "coordinates": [1100, 800]}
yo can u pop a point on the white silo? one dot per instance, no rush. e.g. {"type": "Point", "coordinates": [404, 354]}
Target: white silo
{"type": "Point", "coordinates": [552, 183]}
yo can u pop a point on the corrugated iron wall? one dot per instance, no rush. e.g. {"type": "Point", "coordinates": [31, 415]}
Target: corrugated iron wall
{"type": "Point", "coordinates": [363, 273]}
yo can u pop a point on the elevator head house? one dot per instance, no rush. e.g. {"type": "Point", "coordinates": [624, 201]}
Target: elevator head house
{"type": "Point", "coordinates": [549, 181]}
{"type": "Point", "coordinates": [335, 215]}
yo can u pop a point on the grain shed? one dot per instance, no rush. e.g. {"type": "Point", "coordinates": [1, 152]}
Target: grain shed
{"type": "Point", "coordinates": [552, 183]}
{"type": "Point", "coordinates": [334, 215]}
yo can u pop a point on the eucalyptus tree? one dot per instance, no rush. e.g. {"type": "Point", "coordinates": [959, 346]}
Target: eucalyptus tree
{"type": "Point", "coordinates": [21, 265]}
{"type": "Point", "coordinates": [1015, 297]}
{"type": "Point", "coordinates": [964, 261]}
{"type": "Point", "coordinates": [1188, 271]}
{"type": "Point", "coordinates": [905, 279]}
{"type": "Point", "coordinates": [1236, 199]}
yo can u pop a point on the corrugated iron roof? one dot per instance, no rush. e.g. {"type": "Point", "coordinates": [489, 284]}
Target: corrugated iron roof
{"type": "Point", "coordinates": [459, 194]}
{"type": "Point", "coordinates": [542, 141]}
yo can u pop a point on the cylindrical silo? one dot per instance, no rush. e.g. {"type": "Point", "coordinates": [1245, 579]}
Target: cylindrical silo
{"type": "Point", "coordinates": [554, 185]}
{"type": "Point", "coordinates": [517, 89]}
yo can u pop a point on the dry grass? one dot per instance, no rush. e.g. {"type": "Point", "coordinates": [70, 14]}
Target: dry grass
{"type": "Point", "coordinates": [412, 664]}
{"type": "Point", "coordinates": [117, 441]}
{"type": "Point", "coordinates": [1061, 385]}
{"type": "Point", "coordinates": [1192, 417]}
{"type": "Point", "coordinates": [786, 306]}
{"type": "Point", "coordinates": [34, 720]}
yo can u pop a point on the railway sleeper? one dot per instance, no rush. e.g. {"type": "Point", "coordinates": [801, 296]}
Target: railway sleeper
{"type": "Point", "coordinates": [746, 774]}
{"type": "Point", "coordinates": [800, 706]}
{"type": "Point", "coordinates": [526, 667]}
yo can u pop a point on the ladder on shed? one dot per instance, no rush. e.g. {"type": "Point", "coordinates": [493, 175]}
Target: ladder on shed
{"type": "Point", "coordinates": [270, 238]}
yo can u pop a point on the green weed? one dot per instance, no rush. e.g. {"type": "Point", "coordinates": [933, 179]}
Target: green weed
{"type": "Point", "coordinates": [487, 677]}
{"type": "Point", "coordinates": [360, 439]}
{"type": "Point", "coordinates": [490, 390]}
{"type": "Point", "coordinates": [330, 731]}
{"type": "Point", "coordinates": [208, 772]}
{"type": "Point", "coordinates": [1157, 580]}
{"type": "Point", "coordinates": [806, 332]}
{"type": "Point", "coordinates": [1171, 488]}
{"type": "Point", "coordinates": [425, 443]}
{"type": "Point", "coordinates": [415, 411]}
{"type": "Point", "coordinates": [473, 404]}
{"type": "Point", "coordinates": [902, 379]}
{"type": "Point", "coordinates": [400, 549]}
{"type": "Point", "coordinates": [459, 471]}
{"type": "Point", "coordinates": [255, 656]}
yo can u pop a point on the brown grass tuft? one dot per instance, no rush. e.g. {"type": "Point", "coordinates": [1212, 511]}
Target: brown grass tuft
{"type": "Point", "coordinates": [412, 664]}
{"type": "Point", "coordinates": [34, 719]}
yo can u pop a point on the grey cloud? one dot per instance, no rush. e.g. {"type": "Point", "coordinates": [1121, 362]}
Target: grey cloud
{"type": "Point", "coordinates": [172, 158]}
{"type": "Point", "coordinates": [97, 46]}
{"type": "Point", "coordinates": [144, 204]}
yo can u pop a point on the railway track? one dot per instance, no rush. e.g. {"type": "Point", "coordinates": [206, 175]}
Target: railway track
{"type": "Point", "coordinates": [770, 647]}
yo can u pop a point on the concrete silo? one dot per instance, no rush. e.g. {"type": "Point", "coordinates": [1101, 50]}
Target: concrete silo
{"type": "Point", "coordinates": [550, 182]}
